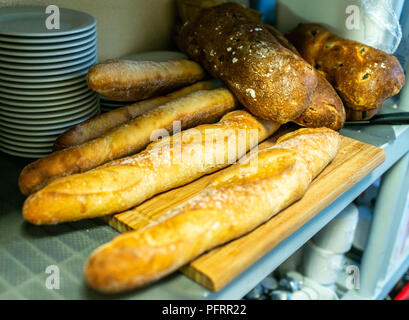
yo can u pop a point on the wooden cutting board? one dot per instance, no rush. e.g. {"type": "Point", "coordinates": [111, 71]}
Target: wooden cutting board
{"type": "Point", "coordinates": [354, 161]}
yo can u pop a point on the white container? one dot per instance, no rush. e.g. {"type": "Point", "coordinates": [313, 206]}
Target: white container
{"type": "Point", "coordinates": [338, 235]}
{"type": "Point", "coordinates": [321, 265]}
{"type": "Point", "coordinates": [363, 228]}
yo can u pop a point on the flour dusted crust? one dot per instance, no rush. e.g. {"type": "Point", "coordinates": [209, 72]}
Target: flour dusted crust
{"type": "Point", "coordinates": [235, 202]}
{"type": "Point", "coordinates": [202, 106]}
{"type": "Point", "coordinates": [363, 76]}
{"type": "Point", "coordinates": [127, 80]}
{"type": "Point", "coordinates": [126, 182]}
{"type": "Point", "coordinates": [233, 45]}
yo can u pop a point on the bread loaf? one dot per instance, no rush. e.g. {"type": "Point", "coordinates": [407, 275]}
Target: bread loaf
{"type": "Point", "coordinates": [235, 202]}
{"type": "Point", "coordinates": [203, 106]}
{"type": "Point", "coordinates": [326, 108]}
{"type": "Point", "coordinates": [363, 76]}
{"type": "Point", "coordinates": [100, 125]}
{"type": "Point", "coordinates": [127, 80]}
{"type": "Point", "coordinates": [168, 163]}
{"type": "Point", "coordinates": [232, 45]}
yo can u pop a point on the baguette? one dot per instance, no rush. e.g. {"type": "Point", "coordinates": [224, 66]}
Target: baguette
{"type": "Point", "coordinates": [126, 80]}
{"type": "Point", "coordinates": [235, 202]}
{"type": "Point", "coordinates": [96, 127]}
{"type": "Point", "coordinates": [168, 163]}
{"type": "Point", "coordinates": [231, 44]}
{"type": "Point", "coordinates": [203, 106]}
{"type": "Point", "coordinates": [363, 76]}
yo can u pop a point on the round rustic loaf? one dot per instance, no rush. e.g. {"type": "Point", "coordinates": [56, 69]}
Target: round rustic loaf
{"type": "Point", "coordinates": [363, 76]}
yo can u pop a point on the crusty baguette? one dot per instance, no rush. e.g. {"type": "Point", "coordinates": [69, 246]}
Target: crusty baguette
{"type": "Point", "coordinates": [97, 126]}
{"type": "Point", "coordinates": [235, 202]}
{"type": "Point", "coordinates": [203, 106]}
{"type": "Point", "coordinates": [168, 163]}
{"type": "Point", "coordinates": [231, 44]}
{"type": "Point", "coordinates": [363, 76]}
{"type": "Point", "coordinates": [127, 80]}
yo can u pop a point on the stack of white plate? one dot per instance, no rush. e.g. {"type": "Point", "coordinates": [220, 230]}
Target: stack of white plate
{"type": "Point", "coordinates": [43, 91]}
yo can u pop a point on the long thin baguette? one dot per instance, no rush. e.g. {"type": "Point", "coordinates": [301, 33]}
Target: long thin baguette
{"type": "Point", "coordinates": [126, 80]}
{"type": "Point", "coordinates": [235, 202]}
{"type": "Point", "coordinates": [168, 163]}
{"type": "Point", "coordinates": [203, 106]}
{"type": "Point", "coordinates": [98, 126]}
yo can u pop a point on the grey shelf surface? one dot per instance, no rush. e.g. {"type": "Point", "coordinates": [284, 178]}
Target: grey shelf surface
{"type": "Point", "coordinates": [27, 250]}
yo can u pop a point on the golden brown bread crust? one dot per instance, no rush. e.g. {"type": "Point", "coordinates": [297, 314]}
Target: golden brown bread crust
{"type": "Point", "coordinates": [97, 126]}
{"type": "Point", "coordinates": [123, 183]}
{"type": "Point", "coordinates": [326, 108]}
{"type": "Point", "coordinates": [232, 45]}
{"type": "Point", "coordinates": [203, 106]}
{"type": "Point", "coordinates": [236, 201]}
{"type": "Point", "coordinates": [126, 80]}
{"type": "Point", "coordinates": [363, 76]}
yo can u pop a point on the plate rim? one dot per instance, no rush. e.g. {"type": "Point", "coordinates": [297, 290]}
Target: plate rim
{"type": "Point", "coordinates": [92, 22]}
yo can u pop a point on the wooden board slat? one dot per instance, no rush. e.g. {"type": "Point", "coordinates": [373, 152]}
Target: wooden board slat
{"type": "Point", "coordinates": [354, 161]}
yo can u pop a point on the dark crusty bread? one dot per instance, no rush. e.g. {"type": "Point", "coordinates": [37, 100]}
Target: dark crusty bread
{"type": "Point", "coordinates": [232, 44]}
{"type": "Point", "coordinates": [326, 108]}
{"type": "Point", "coordinates": [363, 76]}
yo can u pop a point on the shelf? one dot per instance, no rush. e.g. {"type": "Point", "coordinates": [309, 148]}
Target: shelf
{"type": "Point", "coordinates": [69, 245]}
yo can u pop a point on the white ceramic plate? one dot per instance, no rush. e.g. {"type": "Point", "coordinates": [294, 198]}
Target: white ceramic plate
{"type": "Point", "coordinates": [90, 100]}
{"type": "Point", "coordinates": [47, 53]}
{"type": "Point", "coordinates": [50, 121]}
{"type": "Point", "coordinates": [23, 154]}
{"type": "Point", "coordinates": [41, 104]}
{"type": "Point", "coordinates": [60, 96]}
{"type": "Point", "coordinates": [45, 85]}
{"type": "Point", "coordinates": [46, 66]}
{"type": "Point", "coordinates": [57, 39]}
{"type": "Point", "coordinates": [28, 139]}
{"type": "Point", "coordinates": [30, 22]}
{"type": "Point", "coordinates": [28, 144]}
{"type": "Point", "coordinates": [42, 92]}
{"type": "Point", "coordinates": [31, 149]}
{"type": "Point", "coordinates": [49, 127]}
{"type": "Point", "coordinates": [34, 74]}
{"type": "Point", "coordinates": [47, 46]}
{"type": "Point", "coordinates": [47, 115]}
{"type": "Point", "coordinates": [67, 76]}
{"type": "Point", "coordinates": [45, 60]}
